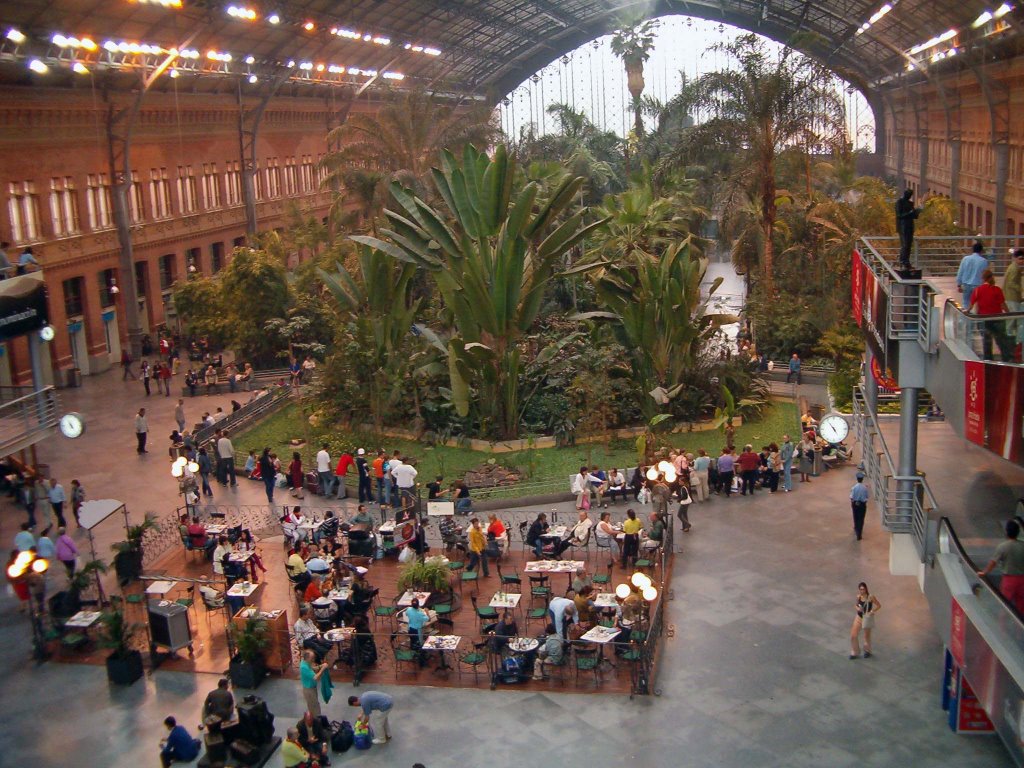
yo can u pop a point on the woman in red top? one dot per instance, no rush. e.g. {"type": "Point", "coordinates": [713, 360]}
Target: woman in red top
{"type": "Point", "coordinates": [988, 299]}
{"type": "Point", "coordinates": [295, 475]}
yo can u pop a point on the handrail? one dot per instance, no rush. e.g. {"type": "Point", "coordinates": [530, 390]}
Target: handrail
{"type": "Point", "coordinates": [243, 414]}
{"type": "Point", "coordinates": [904, 501]}
{"type": "Point", "coordinates": [949, 544]}
{"type": "Point", "coordinates": [981, 336]}
{"type": "Point", "coordinates": [940, 255]}
{"type": "Point", "coordinates": [28, 419]}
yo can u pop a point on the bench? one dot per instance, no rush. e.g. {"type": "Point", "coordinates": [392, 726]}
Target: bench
{"type": "Point", "coordinates": [259, 379]}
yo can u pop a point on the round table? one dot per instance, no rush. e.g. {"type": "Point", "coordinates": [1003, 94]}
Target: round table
{"type": "Point", "coordinates": [523, 644]}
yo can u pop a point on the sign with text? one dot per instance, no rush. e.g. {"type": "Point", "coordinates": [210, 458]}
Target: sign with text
{"type": "Point", "coordinates": [22, 305]}
{"type": "Point", "coordinates": [974, 402]}
{"type": "Point", "coordinates": [957, 633]}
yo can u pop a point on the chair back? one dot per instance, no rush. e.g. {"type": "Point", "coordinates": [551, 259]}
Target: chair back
{"type": "Point", "coordinates": [446, 625]}
{"type": "Point", "coordinates": [473, 599]}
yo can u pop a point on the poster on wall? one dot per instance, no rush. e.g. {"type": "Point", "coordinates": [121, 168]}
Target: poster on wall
{"type": "Point", "coordinates": [957, 632]}
{"type": "Point", "coordinates": [974, 402]}
{"type": "Point", "coordinates": [1003, 388]}
{"type": "Point", "coordinates": [857, 288]}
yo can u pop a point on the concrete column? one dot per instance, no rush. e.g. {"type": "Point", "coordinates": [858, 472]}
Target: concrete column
{"type": "Point", "coordinates": [906, 465]}
{"type": "Point", "coordinates": [1001, 152]}
{"type": "Point", "coordinates": [922, 172]}
{"type": "Point", "coordinates": [954, 173]}
{"type": "Point", "coordinates": [901, 180]}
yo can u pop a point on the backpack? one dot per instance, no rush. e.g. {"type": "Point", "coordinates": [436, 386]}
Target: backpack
{"type": "Point", "coordinates": [342, 736]}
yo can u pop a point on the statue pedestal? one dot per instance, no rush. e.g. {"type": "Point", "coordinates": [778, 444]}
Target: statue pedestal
{"type": "Point", "coordinates": [908, 273]}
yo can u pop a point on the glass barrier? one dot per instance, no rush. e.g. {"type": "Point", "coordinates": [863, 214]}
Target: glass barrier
{"type": "Point", "coordinates": [996, 338]}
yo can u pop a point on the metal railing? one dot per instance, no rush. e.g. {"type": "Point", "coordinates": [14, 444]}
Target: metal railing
{"type": "Point", "coordinates": [28, 419]}
{"type": "Point", "coordinates": [940, 256]}
{"type": "Point", "coordinates": [983, 337]}
{"type": "Point", "coordinates": [247, 414]}
{"type": "Point", "coordinates": [905, 502]}
{"type": "Point", "coordinates": [909, 308]}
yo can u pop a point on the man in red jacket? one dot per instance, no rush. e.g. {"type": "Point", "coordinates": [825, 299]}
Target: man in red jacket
{"type": "Point", "coordinates": [748, 462]}
{"type": "Point", "coordinates": [344, 462]}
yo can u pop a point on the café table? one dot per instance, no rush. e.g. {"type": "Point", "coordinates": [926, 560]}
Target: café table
{"type": "Point", "coordinates": [240, 557]}
{"type": "Point", "coordinates": [310, 527]}
{"type": "Point", "coordinates": [387, 528]}
{"type": "Point", "coordinates": [555, 532]}
{"type": "Point", "coordinates": [160, 588]}
{"type": "Point", "coordinates": [523, 644]}
{"type": "Point", "coordinates": [339, 595]}
{"type": "Point", "coordinates": [605, 600]}
{"type": "Point", "coordinates": [406, 599]}
{"type": "Point", "coordinates": [602, 636]}
{"type": "Point", "coordinates": [248, 591]}
{"type": "Point", "coordinates": [505, 600]}
{"type": "Point", "coordinates": [83, 619]}
{"type": "Point", "coordinates": [215, 530]}
{"type": "Point", "coordinates": [339, 636]}
{"type": "Point", "coordinates": [442, 644]}
{"type": "Point", "coordinates": [568, 567]}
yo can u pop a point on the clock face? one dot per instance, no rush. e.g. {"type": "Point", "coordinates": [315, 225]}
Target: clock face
{"type": "Point", "coordinates": [833, 428]}
{"type": "Point", "coordinates": [72, 425]}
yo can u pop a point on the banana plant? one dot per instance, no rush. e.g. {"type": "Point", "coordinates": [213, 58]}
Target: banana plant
{"type": "Point", "coordinates": [491, 257]}
{"type": "Point", "coordinates": [379, 307]}
{"type": "Point", "coordinates": [661, 318]}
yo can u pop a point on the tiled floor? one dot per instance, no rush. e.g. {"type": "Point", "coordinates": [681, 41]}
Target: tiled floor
{"type": "Point", "coordinates": [755, 674]}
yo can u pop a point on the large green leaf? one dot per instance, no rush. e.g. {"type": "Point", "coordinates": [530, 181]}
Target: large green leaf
{"type": "Point", "coordinates": [390, 249]}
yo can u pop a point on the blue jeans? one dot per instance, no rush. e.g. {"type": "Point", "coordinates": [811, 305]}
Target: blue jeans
{"type": "Point", "coordinates": [326, 482]}
{"type": "Point", "coordinates": [787, 475]}
{"type": "Point", "coordinates": [538, 548]}
{"type": "Point", "coordinates": [384, 491]}
{"type": "Point", "coordinates": [463, 506]}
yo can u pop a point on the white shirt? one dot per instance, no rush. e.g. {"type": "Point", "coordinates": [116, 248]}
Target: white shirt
{"type": "Point", "coordinates": [305, 629]}
{"type": "Point", "coordinates": [218, 554]}
{"type": "Point", "coordinates": [405, 475]}
{"type": "Point", "coordinates": [393, 464]}
{"type": "Point", "coordinates": [224, 448]}
{"type": "Point", "coordinates": [581, 530]}
{"type": "Point", "coordinates": [323, 461]}
{"type": "Point", "coordinates": [616, 480]}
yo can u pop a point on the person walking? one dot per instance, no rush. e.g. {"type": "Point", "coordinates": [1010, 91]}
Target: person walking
{"type": "Point", "coordinates": [267, 474]}
{"type": "Point", "coordinates": [700, 475]}
{"type": "Point", "coordinates": [786, 454]}
{"type": "Point", "coordinates": [1009, 556]}
{"type": "Point", "coordinates": [164, 382]}
{"type": "Point", "coordinates": [126, 366]}
{"type": "Point", "coordinates": [323, 470]}
{"type": "Point", "coordinates": [205, 468]}
{"type": "Point", "coordinates": [867, 606]}
{"type": "Point", "coordinates": [377, 707]}
{"type": "Point", "coordinates": [310, 672]}
{"type": "Point", "coordinates": [726, 470]}
{"type": "Point", "coordinates": [296, 475]}
{"type": "Point", "coordinates": [477, 543]}
{"type": "Point", "coordinates": [794, 368]}
{"type": "Point", "coordinates": [141, 430]}
{"type": "Point", "coordinates": [859, 503]}
{"type": "Point", "coordinates": [226, 459]}
{"type": "Point", "coordinates": [145, 373]}
{"type": "Point", "coordinates": [968, 274]}
{"type": "Point", "coordinates": [67, 552]}
{"type": "Point", "coordinates": [1013, 292]}
{"type": "Point", "coordinates": [179, 415]}
{"type": "Point", "coordinates": [43, 507]}
{"type": "Point", "coordinates": [774, 467]}
{"type": "Point", "coordinates": [55, 493]}
{"type": "Point", "coordinates": [363, 470]}
{"type": "Point", "coordinates": [988, 299]}
{"type": "Point", "coordinates": [806, 454]}
{"type": "Point", "coordinates": [77, 497]}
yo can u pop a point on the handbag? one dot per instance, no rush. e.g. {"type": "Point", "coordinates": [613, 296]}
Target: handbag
{"type": "Point", "coordinates": [867, 621]}
{"type": "Point", "coordinates": [406, 555]}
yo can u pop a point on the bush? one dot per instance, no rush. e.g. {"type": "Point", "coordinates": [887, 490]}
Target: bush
{"type": "Point", "coordinates": [841, 384]}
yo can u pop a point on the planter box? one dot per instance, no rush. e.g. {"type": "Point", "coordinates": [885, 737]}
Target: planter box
{"type": "Point", "coordinates": [124, 670]}
{"type": "Point", "coordinates": [245, 675]}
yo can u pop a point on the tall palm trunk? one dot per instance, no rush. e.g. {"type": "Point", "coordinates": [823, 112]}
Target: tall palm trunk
{"type": "Point", "coordinates": [768, 215]}
{"type": "Point", "coordinates": [635, 83]}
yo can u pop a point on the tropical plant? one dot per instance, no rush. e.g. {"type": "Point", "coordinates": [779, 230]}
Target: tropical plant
{"type": "Point", "coordinates": [118, 633]}
{"type": "Point", "coordinates": [842, 343]}
{"type": "Point", "coordinates": [762, 106]}
{"type": "Point", "coordinates": [250, 639]}
{"type": "Point", "coordinates": [400, 142]}
{"type": "Point", "coordinates": [425, 575]}
{"type": "Point", "coordinates": [633, 44]}
{"type": "Point", "coordinates": [658, 310]}
{"type": "Point", "coordinates": [491, 267]}
{"type": "Point", "coordinates": [380, 307]}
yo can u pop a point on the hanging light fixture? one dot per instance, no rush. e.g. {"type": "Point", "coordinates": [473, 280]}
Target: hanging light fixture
{"type": "Point", "coordinates": [622, 591]}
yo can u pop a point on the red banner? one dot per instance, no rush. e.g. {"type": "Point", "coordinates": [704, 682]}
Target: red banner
{"type": "Point", "coordinates": [972, 717]}
{"type": "Point", "coordinates": [957, 633]}
{"type": "Point", "coordinates": [857, 286]}
{"type": "Point", "coordinates": [974, 402]}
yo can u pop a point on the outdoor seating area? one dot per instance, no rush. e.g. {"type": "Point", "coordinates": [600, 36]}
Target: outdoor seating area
{"type": "Point", "coordinates": [352, 602]}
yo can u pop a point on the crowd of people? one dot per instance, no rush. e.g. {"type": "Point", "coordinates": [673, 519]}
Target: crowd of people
{"type": "Point", "coordinates": [983, 297]}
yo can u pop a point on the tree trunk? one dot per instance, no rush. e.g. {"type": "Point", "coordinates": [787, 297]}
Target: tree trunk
{"type": "Point", "coordinates": [635, 83]}
{"type": "Point", "coordinates": [768, 212]}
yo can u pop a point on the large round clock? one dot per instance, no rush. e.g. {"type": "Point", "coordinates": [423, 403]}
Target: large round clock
{"type": "Point", "coordinates": [834, 428]}
{"type": "Point", "coordinates": [72, 425]}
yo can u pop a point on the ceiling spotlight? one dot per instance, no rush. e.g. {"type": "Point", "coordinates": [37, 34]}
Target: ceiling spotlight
{"type": "Point", "coordinates": [80, 68]}
{"type": "Point", "coordinates": [253, 79]}
{"type": "Point", "coordinates": [37, 66]}
{"type": "Point", "coordinates": [250, 59]}
{"type": "Point", "coordinates": [15, 36]}
{"type": "Point", "coordinates": [173, 73]}
{"type": "Point", "coordinates": [309, 26]}
{"type": "Point", "coordinates": [274, 18]}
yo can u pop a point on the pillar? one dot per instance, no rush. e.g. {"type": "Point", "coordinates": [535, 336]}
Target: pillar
{"type": "Point", "coordinates": [1001, 153]}
{"type": "Point", "coordinates": [954, 174]}
{"type": "Point", "coordinates": [906, 465]}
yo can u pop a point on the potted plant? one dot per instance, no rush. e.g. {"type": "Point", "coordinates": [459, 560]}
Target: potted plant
{"type": "Point", "coordinates": [248, 667]}
{"type": "Point", "coordinates": [124, 664]}
{"type": "Point", "coordinates": [428, 576]}
{"type": "Point", "coordinates": [69, 601]}
{"type": "Point", "coordinates": [128, 560]}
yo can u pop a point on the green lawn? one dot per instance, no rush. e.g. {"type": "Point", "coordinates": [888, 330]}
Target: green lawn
{"type": "Point", "coordinates": [546, 469]}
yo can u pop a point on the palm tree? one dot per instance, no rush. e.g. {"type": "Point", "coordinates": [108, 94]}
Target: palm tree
{"type": "Point", "coordinates": [757, 109]}
{"type": "Point", "coordinates": [657, 309]}
{"type": "Point", "coordinates": [633, 45]}
{"type": "Point", "coordinates": [492, 265]}
{"type": "Point", "coordinates": [400, 142]}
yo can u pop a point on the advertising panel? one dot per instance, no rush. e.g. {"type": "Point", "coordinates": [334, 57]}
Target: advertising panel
{"type": "Point", "coordinates": [974, 402]}
{"type": "Point", "coordinates": [857, 288]}
{"type": "Point", "coordinates": [22, 305]}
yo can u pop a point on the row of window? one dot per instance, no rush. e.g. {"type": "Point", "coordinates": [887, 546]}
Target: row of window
{"type": "Point", "coordinates": [152, 200]}
{"type": "Point", "coordinates": [74, 288]}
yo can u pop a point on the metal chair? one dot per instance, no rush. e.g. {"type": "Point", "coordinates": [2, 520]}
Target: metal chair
{"type": "Point", "coordinates": [471, 576]}
{"type": "Point", "coordinates": [488, 613]}
{"type": "Point", "coordinates": [604, 579]}
{"type": "Point", "coordinates": [539, 588]}
{"type": "Point", "coordinates": [605, 542]}
{"type": "Point", "coordinates": [403, 655]}
{"type": "Point", "coordinates": [383, 612]}
{"type": "Point", "coordinates": [584, 545]}
{"type": "Point", "coordinates": [189, 548]}
{"type": "Point", "coordinates": [475, 659]}
{"type": "Point", "coordinates": [507, 580]}
{"type": "Point", "coordinates": [536, 614]}
{"type": "Point", "coordinates": [586, 659]}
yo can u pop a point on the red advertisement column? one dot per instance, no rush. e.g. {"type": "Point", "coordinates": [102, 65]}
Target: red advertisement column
{"type": "Point", "coordinates": [974, 402]}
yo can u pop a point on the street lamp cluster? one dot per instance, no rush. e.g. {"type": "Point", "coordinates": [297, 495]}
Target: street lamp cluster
{"type": "Point", "coordinates": [643, 584]}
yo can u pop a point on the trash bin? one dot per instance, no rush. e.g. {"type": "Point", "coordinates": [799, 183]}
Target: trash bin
{"type": "Point", "coordinates": [817, 411]}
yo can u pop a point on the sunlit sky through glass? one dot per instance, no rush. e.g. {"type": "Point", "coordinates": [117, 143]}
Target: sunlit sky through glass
{"type": "Point", "coordinates": [593, 80]}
